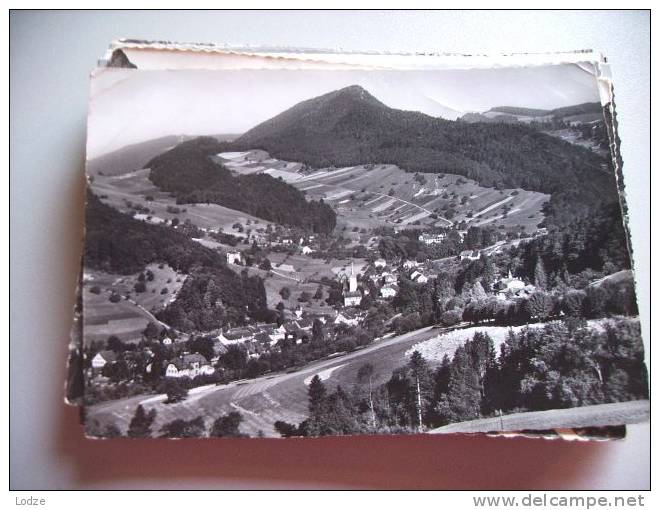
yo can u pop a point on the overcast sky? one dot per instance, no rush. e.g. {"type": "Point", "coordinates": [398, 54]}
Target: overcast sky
{"type": "Point", "coordinates": [131, 106]}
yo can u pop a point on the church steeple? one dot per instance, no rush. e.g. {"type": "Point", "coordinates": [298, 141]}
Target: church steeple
{"type": "Point", "coordinates": [352, 280]}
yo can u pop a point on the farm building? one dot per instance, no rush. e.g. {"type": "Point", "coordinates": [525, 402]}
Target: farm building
{"type": "Point", "coordinates": [234, 258]}
{"type": "Point", "coordinates": [305, 324]}
{"type": "Point", "coordinates": [276, 334]}
{"type": "Point", "coordinates": [429, 239]}
{"type": "Point", "coordinates": [389, 291]}
{"type": "Point", "coordinates": [418, 277]}
{"type": "Point", "coordinates": [409, 264]}
{"type": "Point", "coordinates": [470, 255]}
{"type": "Point", "coordinates": [306, 250]}
{"type": "Point", "coordinates": [189, 365]}
{"type": "Point", "coordinates": [235, 336]}
{"type": "Point", "coordinates": [347, 318]}
{"type": "Point", "coordinates": [102, 359]}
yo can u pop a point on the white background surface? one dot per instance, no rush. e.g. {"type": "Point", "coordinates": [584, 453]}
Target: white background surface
{"type": "Point", "coordinates": [51, 56]}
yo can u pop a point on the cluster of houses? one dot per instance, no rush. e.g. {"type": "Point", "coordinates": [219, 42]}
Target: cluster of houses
{"type": "Point", "coordinates": [260, 338]}
{"type": "Point", "coordinates": [388, 278]}
{"type": "Point", "coordinates": [304, 245]}
{"type": "Point", "coordinates": [255, 339]}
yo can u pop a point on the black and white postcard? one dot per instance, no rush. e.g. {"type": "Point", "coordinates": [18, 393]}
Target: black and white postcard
{"type": "Point", "coordinates": [337, 251]}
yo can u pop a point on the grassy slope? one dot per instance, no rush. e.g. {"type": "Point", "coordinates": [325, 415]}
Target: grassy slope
{"type": "Point", "coordinates": [618, 413]}
{"type": "Point", "coordinates": [136, 186]}
{"type": "Point", "coordinates": [124, 319]}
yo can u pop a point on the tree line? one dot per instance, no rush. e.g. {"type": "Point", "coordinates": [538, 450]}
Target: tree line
{"type": "Point", "coordinates": [142, 426]}
{"type": "Point", "coordinates": [563, 365]}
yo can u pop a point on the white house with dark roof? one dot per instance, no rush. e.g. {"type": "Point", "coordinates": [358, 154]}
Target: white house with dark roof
{"type": "Point", "coordinates": [346, 318]}
{"type": "Point", "coordinates": [409, 264]}
{"type": "Point", "coordinates": [510, 286]}
{"type": "Point", "coordinates": [429, 239]}
{"type": "Point", "coordinates": [389, 278]}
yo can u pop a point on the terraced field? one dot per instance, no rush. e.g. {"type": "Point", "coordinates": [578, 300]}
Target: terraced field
{"type": "Point", "coordinates": [368, 196]}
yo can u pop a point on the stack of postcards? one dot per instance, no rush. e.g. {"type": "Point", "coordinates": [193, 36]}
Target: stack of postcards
{"type": "Point", "coordinates": [302, 243]}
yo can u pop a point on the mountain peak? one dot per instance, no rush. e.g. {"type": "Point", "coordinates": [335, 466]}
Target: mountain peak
{"type": "Point", "coordinates": [334, 111]}
{"type": "Point", "coordinates": [354, 92]}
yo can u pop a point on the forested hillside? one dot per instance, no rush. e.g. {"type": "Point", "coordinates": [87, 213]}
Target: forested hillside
{"type": "Point", "coordinates": [117, 243]}
{"type": "Point", "coordinates": [188, 172]}
{"type": "Point", "coordinates": [350, 127]}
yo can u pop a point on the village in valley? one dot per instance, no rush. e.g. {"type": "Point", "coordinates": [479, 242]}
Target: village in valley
{"type": "Point", "coordinates": [375, 280]}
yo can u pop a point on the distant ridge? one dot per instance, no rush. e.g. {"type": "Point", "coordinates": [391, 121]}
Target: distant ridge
{"type": "Point", "coordinates": [512, 113]}
{"type": "Point", "coordinates": [133, 157]}
{"type": "Point", "coordinates": [515, 110]}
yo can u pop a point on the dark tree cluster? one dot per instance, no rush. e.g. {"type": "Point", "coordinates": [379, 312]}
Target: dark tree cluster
{"type": "Point", "coordinates": [596, 241]}
{"type": "Point", "coordinates": [142, 426]}
{"type": "Point", "coordinates": [188, 172]}
{"type": "Point", "coordinates": [210, 297]}
{"type": "Point", "coordinates": [117, 243]}
{"type": "Point", "coordinates": [566, 364]}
